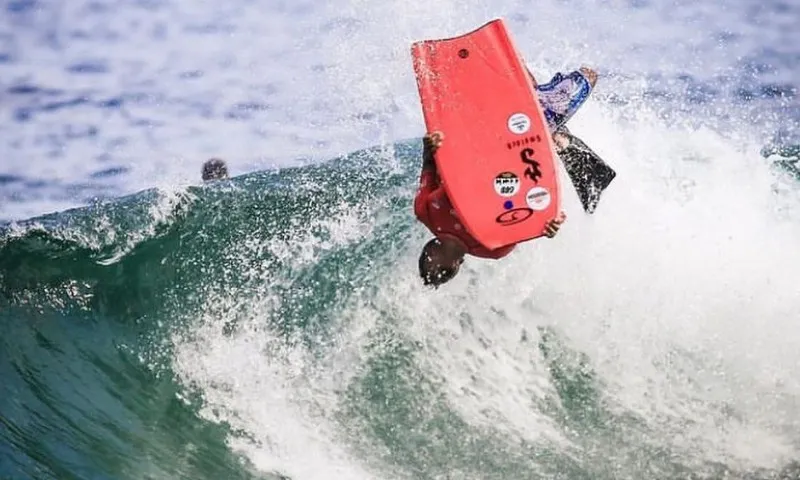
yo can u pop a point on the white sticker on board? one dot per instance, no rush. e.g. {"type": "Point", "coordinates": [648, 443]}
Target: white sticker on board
{"type": "Point", "coordinates": [538, 198]}
{"type": "Point", "coordinates": [519, 123]}
{"type": "Point", "coordinates": [506, 184]}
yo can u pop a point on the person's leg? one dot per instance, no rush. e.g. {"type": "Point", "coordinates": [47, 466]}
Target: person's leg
{"type": "Point", "coordinates": [563, 95]}
{"type": "Point", "coordinates": [589, 174]}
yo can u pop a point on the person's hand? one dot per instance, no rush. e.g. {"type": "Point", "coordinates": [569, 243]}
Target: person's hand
{"type": "Point", "coordinates": [433, 140]}
{"type": "Point", "coordinates": [554, 225]}
{"type": "Point", "coordinates": [590, 75]}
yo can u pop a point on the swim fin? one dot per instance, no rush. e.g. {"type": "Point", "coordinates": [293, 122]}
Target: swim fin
{"type": "Point", "coordinates": [590, 175]}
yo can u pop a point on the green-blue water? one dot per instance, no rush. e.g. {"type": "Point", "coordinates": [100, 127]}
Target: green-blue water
{"type": "Point", "coordinates": [114, 317]}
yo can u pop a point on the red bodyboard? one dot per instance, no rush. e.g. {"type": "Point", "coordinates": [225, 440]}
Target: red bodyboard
{"type": "Point", "coordinates": [497, 161]}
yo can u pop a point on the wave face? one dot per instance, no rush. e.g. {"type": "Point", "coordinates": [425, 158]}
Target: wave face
{"type": "Point", "coordinates": [272, 326]}
{"type": "Point", "coordinates": [102, 307]}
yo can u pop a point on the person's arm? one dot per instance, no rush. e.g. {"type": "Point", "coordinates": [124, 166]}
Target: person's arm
{"type": "Point", "coordinates": [428, 178]}
{"type": "Point", "coordinates": [496, 254]}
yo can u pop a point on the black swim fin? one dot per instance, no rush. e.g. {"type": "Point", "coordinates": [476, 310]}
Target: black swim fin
{"type": "Point", "coordinates": [589, 173]}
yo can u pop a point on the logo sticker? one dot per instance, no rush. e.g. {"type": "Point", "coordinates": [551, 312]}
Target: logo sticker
{"type": "Point", "coordinates": [533, 171]}
{"type": "Point", "coordinates": [514, 216]}
{"type": "Point", "coordinates": [524, 141]}
{"type": "Point", "coordinates": [506, 184]}
{"type": "Point", "coordinates": [538, 198]}
{"type": "Point", "coordinates": [519, 123]}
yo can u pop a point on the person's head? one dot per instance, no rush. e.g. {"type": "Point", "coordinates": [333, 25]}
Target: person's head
{"type": "Point", "coordinates": [215, 169]}
{"type": "Point", "coordinates": [440, 261]}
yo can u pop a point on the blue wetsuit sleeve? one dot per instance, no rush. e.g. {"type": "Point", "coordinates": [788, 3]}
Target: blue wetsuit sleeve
{"type": "Point", "coordinates": [562, 96]}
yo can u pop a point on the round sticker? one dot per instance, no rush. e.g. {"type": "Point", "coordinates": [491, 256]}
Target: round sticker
{"type": "Point", "coordinates": [538, 198]}
{"type": "Point", "coordinates": [506, 184]}
{"type": "Point", "coordinates": [519, 123]}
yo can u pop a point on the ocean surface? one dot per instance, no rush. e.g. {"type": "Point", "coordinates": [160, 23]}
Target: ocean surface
{"type": "Point", "coordinates": [272, 326]}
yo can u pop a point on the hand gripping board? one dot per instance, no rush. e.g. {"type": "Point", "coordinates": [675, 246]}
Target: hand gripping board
{"type": "Point", "coordinates": [497, 161]}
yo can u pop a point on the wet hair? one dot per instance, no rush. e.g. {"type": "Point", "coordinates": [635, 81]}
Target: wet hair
{"type": "Point", "coordinates": [433, 275]}
{"type": "Point", "coordinates": [215, 169]}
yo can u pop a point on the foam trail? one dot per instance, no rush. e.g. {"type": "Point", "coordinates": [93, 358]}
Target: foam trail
{"type": "Point", "coordinates": [261, 388]}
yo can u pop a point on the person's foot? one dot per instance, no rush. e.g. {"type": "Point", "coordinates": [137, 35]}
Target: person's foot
{"type": "Point", "coordinates": [590, 75]}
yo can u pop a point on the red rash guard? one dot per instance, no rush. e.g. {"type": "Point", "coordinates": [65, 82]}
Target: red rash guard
{"type": "Point", "coordinates": [433, 208]}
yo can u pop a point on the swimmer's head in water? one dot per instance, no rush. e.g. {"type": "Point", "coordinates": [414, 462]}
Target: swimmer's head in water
{"type": "Point", "coordinates": [215, 169]}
